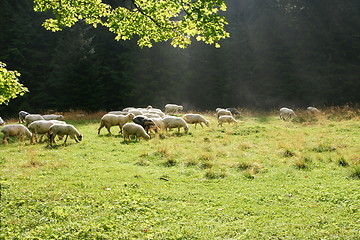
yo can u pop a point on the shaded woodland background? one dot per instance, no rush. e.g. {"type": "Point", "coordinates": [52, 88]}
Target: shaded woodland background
{"type": "Point", "coordinates": [292, 53]}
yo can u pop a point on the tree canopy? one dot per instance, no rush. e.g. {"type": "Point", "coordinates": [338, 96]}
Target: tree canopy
{"type": "Point", "coordinates": [152, 21]}
{"type": "Point", "coordinates": [9, 85]}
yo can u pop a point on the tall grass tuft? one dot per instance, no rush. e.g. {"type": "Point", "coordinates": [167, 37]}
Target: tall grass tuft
{"type": "Point", "coordinates": [342, 162]}
{"type": "Point", "coordinates": [302, 163]}
{"type": "Point", "coordinates": [355, 172]}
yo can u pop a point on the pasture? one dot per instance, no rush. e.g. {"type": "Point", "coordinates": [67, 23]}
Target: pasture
{"type": "Point", "coordinates": [262, 178]}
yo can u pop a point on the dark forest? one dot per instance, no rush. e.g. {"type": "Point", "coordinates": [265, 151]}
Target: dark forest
{"type": "Point", "coordinates": [293, 53]}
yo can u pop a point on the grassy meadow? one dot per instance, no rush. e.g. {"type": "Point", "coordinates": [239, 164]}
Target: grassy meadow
{"type": "Point", "coordinates": [261, 178]}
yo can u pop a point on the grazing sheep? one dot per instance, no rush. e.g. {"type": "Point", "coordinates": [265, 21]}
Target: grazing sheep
{"type": "Point", "coordinates": [53, 117]}
{"type": "Point", "coordinates": [175, 122]}
{"type": "Point", "coordinates": [31, 118]}
{"type": "Point", "coordinates": [22, 115]}
{"type": "Point", "coordinates": [133, 129]}
{"type": "Point", "coordinates": [313, 110]}
{"type": "Point", "coordinates": [64, 130]}
{"type": "Point", "coordinates": [286, 113]}
{"type": "Point", "coordinates": [223, 112]}
{"type": "Point", "coordinates": [1, 121]}
{"type": "Point", "coordinates": [226, 118]}
{"type": "Point", "coordinates": [42, 127]}
{"type": "Point", "coordinates": [109, 120]}
{"type": "Point", "coordinates": [195, 119]}
{"type": "Point", "coordinates": [14, 130]}
{"type": "Point", "coordinates": [173, 108]}
{"type": "Point", "coordinates": [145, 122]}
{"type": "Point", "coordinates": [233, 111]}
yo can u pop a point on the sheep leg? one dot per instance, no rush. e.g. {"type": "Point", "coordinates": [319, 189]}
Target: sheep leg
{"type": "Point", "coordinates": [101, 126]}
{"type": "Point", "coordinates": [66, 138]}
{"type": "Point", "coordinates": [108, 128]}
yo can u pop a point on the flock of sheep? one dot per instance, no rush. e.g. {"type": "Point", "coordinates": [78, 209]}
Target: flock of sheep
{"type": "Point", "coordinates": [136, 122]}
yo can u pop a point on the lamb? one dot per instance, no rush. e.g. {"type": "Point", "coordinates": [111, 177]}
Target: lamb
{"type": "Point", "coordinates": [53, 117]}
{"type": "Point", "coordinates": [13, 130]}
{"type": "Point", "coordinates": [173, 108]}
{"type": "Point", "coordinates": [195, 119]}
{"type": "Point", "coordinates": [109, 120]}
{"type": "Point", "coordinates": [31, 118]}
{"type": "Point", "coordinates": [313, 110]}
{"type": "Point", "coordinates": [145, 122]}
{"type": "Point", "coordinates": [286, 113]}
{"type": "Point", "coordinates": [1, 121]}
{"type": "Point", "coordinates": [223, 112]}
{"type": "Point", "coordinates": [175, 122]}
{"type": "Point", "coordinates": [226, 118]}
{"type": "Point", "coordinates": [133, 129]}
{"type": "Point", "coordinates": [22, 115]}
{"type": "Point", "coordinates": [62, 130]}
{"type": "Point", "coordinates": [42, 127]}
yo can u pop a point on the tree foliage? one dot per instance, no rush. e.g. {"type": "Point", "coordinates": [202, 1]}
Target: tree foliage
{"type": "Point", "coordinates": [152, 21]}
{"type": "Point", "coordinates": [10, 87]}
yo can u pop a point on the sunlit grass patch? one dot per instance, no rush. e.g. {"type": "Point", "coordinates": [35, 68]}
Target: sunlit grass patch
{"type": "Point", "coordinates": [215, 183]}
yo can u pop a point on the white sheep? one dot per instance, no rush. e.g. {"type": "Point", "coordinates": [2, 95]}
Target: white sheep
{"type": "Point", "coordinates": [32, 117]}
{"type": "Point", "coordinates": [173, 108]}
{"type": "Point", "coordinates": [313, 110]}
{"type": "Point", "coordinates": [15, 130]}
{"type": "Point", "coordinates": [175, 122]}
{"type": "Point", "coordinates": [286, 113]}
{"type": "Point", "coordinates": [195, 119]}
{"type": "Point", "coordinates": [1, 121]}
{"type": "Point", "coordinates": [42, 127]}
{"type": "Point", "coordinates": [226, 118]}
{"type": "Point", "coordinates": [133, 129]}
{"type": "Point", "coordinates": [62, 130]}
{"type": "Point", "coordinates": [53, 117]}
{"type": "Point", "coordinates": [22, 115]}
{"type": "Point", "coordinates": [223, 112]}
{"type": "Point", "coordinates": [109, 120]}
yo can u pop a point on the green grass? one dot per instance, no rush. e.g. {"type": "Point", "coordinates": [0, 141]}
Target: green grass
{"type": "Point", "coordinates": [260, 179]}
